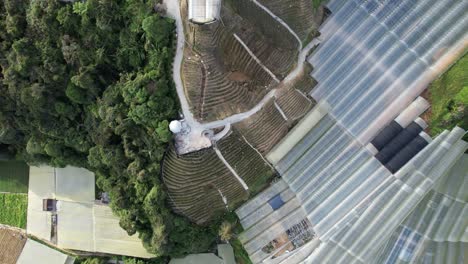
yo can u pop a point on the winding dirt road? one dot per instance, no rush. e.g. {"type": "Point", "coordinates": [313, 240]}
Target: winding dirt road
{"type": "Point", "coordinates": [173, 11]}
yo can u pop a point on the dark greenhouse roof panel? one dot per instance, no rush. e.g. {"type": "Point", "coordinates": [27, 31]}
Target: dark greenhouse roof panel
{"type": "Point", "coordinates": [398, 142]}
{"type": "Point", "coordinates": [386, 135]}
{"type": "Point", "coordinates": [406, 154]}
{"type": "Point", "coordinates": [276, 202]}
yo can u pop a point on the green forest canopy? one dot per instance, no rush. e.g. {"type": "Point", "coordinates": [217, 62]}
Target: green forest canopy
{"type": "Point", "coordinates": [88, 84]}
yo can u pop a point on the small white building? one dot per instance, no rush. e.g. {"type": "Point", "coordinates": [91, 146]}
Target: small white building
{"type": "Point", "coordinates": [203, 11]}
{"type": "Point", "coordinates": [62, 209]}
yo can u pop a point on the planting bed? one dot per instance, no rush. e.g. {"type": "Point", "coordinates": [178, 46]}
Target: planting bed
{"type": "Point", "coordinates": [195, 183]}
{"type": "Point", "coordinates": [220, 76]}
{"type": "Point", "coordinates": [231, 64]}
{"type": "Point", "coordinates": [294, 103]}
{"type": "Point", "coordinates": [300, 15]}
{"type": "Point", "coordinates": [246, 161]}
{"type": "Point", "coordinates": [264, 129]}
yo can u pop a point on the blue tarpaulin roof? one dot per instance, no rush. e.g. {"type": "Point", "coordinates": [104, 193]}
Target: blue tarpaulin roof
{"type": "Point", "coordinates": [276, 202]}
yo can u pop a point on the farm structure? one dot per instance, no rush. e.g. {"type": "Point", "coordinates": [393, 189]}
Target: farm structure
{"type": "Point", "coordinates": [225, 256]}
{"type": "Point", "coordinates": [359, 162]}
{"type": "Point", "coordinates": [434, 231]}
{"type": "Point", "coordinates": [62, 210]}
{"type": "Point", "coordinates": [203, 11]}
{"type": "Point", "coordinates": [16, 248]}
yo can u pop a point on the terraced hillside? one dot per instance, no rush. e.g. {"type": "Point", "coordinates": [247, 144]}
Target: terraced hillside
{"type": "Point", "coordinates": [246, 161]}
{"type": "Point", "coordinates": [270, 41]}
{"type": "Point", "coordinates": [264, 129]}
{"type": "Point", "coordinates": [294, 103]}
{"type": "Point", "coordinates": [220, 87]}
{"type": "Point", "coordinates": [231, 64]}
{"type": "Point", "coordinates": [301, 15]}
{"type": "Point", "coordinates": [198, 183]}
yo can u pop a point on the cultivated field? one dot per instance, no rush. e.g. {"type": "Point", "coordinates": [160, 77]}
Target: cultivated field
{"type": "Point", "coordinates": [231, 64]}
{"type": "Point", "coordinates": [246, 161]}
{"type": "Point", "coordinates": [14, 177]}
{"type": "Point", "coordinates": [199, 184]}
{"type": "Point", "coordinates": [264, 129]}
{"type": "Point", "coordinates": [11, 245]}
{"type": "Point", "coordinates": [303, 16]}
{"type": "Point", "coordinates": [224, 79]}
{"type": "Point", "coordinates": [14, 209]}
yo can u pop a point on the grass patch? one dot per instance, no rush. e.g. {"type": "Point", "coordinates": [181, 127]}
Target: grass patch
{"type": "Point", "coordinates": [449, 99]}
{"type": "Point", "coordinates": [14, 177]}
{"type": "Point", "coordinates": [239, 252]}
{"type": "Point", "coordinates": [13, 209]}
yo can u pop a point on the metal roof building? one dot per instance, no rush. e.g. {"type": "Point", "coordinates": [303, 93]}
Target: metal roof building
{"type": "Point", "coordinates": [34, 251]}
{"type": "Point", "coordinates": [203, 11]}
{"type": "Point", "coordinates": [360, 162]}
{"type": "Point", "coordinates": [225, 253]}
{"type": "Point", "coordinates": [17, 248]}
{"type": "Point", "coordinates": [62, 209]}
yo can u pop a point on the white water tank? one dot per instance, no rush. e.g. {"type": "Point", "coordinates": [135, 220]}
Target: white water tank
{"type": "Point", "coordinates": [175, 126]}
{"type": "Point", "coordinates": [203, 11]}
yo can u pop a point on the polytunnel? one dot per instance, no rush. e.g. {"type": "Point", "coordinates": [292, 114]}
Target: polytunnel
{"type": "Point", "coordinates": [360, 162]}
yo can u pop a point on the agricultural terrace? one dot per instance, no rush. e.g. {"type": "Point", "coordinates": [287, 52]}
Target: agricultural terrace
{"type": "Point", "coordinates": [11, 245]}
{"type": "Point", "coordinates": [231, 64]}
{"type": "Point", "coordinates": [199, 185]}
{"type": "Point", "coordinates": [303, 16]}
{"type": "Point", "coordinates": [14, 177]}
{"type": "Point", "coordinates": [264, 129]}
{"type": "Point", "coordinates": [14, 209]}
{"type": "Point", "coordinates": [449, 99]}
{"type": "Point", "coordinates": [218, 88]}
{"type": "Point", "coordinates": [247, 162]}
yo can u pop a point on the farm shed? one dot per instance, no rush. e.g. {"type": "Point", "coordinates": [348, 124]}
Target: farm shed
{"type": "Point", "coordinates": [225, 252]}
{"type": "Point", "coordinates": [34, 251]}
{"type": "Point", "coordinates": [16, 248]}
{"type": "Point", "coordinates": [359, 163]}
{"type": "Point", "coordinates": [204, 11]}
{"type": "Point", "coordinates": [62, 209]}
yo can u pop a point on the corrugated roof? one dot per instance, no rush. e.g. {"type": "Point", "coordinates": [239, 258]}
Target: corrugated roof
{"type": "Point", "coordinates": [81, 223]}
{"type": "Point", "coordinates": [34, 253]}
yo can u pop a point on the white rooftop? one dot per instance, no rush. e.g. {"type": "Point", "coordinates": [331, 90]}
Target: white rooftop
{"type": "Point", "coordinates": [82, 223]}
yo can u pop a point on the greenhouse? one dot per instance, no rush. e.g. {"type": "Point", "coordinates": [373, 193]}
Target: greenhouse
{"type": "Point", "coordinates": [360, 161]}
{"type": "Point", "coordinates": [378, 56]}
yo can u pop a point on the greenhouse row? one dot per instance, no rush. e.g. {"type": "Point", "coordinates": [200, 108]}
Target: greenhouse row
{"type": "Point", "coordinates": [379, 56]}
{"type": "Point", "coordinates": [359, 174]}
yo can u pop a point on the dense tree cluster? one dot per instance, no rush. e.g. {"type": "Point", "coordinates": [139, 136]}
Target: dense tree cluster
{"type": "Point", "coordinates": [88, 84]}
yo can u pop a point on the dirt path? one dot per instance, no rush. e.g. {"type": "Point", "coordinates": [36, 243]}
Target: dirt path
{"type": "Point", "coordinates": [173, 11]}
